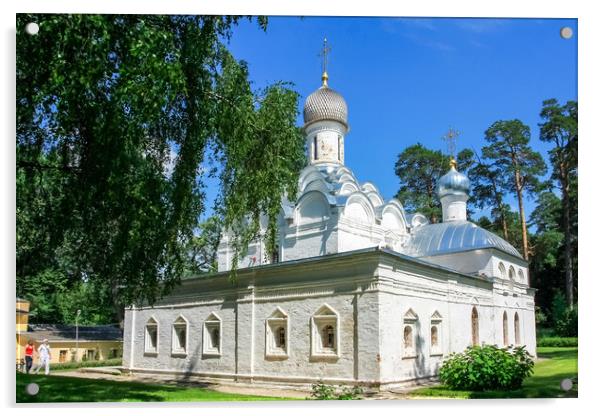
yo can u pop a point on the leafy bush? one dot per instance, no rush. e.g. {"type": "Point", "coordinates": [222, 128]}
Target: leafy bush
{"type": "Point", "coordinates": [557, 342]}
{"type": "Point", "coordinates": [564, 319]}
{"type": "Point", "coordinates": [321, 391]}
{"type": "Point", "coordinates": [101, 363]}
{"type": "Point", "coordinates": [487, 368]}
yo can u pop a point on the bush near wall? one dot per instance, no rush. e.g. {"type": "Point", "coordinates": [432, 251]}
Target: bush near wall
{"type": "Point", "coordinates": [100, 363]}
{"type": "Point", "coordinates": [557, 342]}
{"type": "Point", "coordinates": [487, 367]}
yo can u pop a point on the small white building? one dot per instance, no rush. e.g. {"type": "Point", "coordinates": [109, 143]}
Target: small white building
{"type": "Point", "coordinates": [359, 291]}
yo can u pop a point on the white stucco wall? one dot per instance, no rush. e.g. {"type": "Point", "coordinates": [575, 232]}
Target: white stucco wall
{"type": "Point", "coordinates": [370, 291]}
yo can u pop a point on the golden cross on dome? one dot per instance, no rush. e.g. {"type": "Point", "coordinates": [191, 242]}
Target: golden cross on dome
{"type": "Point", "coordinates": [451, 138]}
{"type": "Point", "coordinates": [324, 54]}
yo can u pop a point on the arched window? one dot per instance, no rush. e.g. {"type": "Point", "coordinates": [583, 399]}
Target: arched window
{"type": "Point", "coordinates": [521, 276]}
{"type": "Point", "coordinates": [408, 337]}
{"type": "Point", "coordinates": [212, 336]}
{"type": "Point", "coordinates": [434, 336]}
{"type": "Point", "coordinates": [215, 338]}
{"type": "Point", "coordinates": [505, 327]}
{"type": "Point", "coordinates": [475, 326]}
{"type": "Point", "coordinates": [179, 336]}
{"type": "Point", "coordinates": [328, 337]}
{"type": "Point", "coordinates": [281, 337]}
{"type": "Point", "coordinates": [511, 277]}
{"type": "Point", "coordinates": [316, 147]}
{"type": "Point", "coordinates": [502, 270]}
{"type": "Point", "coordinates": [151, 338]}
{"type": "Point", "coordinates": [516, 329]}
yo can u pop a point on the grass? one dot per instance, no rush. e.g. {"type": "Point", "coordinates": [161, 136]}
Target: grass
{"type": "Point", "coordinates": [554, 365]}
{"type": "Point", "coordinates": [74, 389]}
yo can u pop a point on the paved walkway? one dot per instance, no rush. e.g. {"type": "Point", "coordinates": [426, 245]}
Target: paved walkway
{"type": "Point", "coordinates": [224, 387]}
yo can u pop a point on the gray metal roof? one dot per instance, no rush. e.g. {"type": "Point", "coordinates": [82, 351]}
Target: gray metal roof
{"type": "Point", "coordinates": [454, 236]}
{"type": "Point", "coordinates": [67, 333]}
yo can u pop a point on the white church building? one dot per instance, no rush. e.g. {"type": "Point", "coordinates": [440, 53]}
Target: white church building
{"type": "Point", "coordinates": [359, 292]}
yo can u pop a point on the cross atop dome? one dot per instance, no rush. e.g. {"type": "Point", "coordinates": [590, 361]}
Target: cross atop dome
{"type": "Point", "coordinates": [324, 54]}
{"type": "Point", "coordinates": [450, 139]}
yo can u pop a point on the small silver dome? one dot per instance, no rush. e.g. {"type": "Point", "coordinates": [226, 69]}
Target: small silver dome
{"type": "Point", "coordinates": [325, 104]}
{"type": "Point", "coordinates": [453, 183]}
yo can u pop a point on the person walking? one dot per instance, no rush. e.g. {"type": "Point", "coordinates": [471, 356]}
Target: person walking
{"type": "Point", "coordinates": [44, 356]}
{"type": "Point", "coordinates": [29, 356]}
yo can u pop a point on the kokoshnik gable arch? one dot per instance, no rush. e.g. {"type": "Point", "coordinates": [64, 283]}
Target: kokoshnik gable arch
{"type": "Point", "coordinates": [359, 291]}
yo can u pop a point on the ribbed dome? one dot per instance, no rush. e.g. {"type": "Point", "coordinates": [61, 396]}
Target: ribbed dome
{"type": "Point", "coordinates": [325, 104]}
{"type": "Point", "coordinates": [453, 183]}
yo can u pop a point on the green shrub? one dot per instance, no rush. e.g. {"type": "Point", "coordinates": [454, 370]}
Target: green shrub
{"type": "Point", "coordinates": [101, 363]}
{"type": "Point", "coordinates": [564, 319]}
{"type": "Point", "coordinates": [487, 368]}
{"type": "Point", "coordinates": [321, 391]}
{"type": "Point", "coordinates": [557, 342]}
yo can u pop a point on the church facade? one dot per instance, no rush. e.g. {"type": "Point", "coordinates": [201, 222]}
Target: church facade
{"type": "Point", "coordinates": [359, 291]}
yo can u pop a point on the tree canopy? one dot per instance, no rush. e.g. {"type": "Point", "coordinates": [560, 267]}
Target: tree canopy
{"type": "Point", "coordinates": [120, 120]}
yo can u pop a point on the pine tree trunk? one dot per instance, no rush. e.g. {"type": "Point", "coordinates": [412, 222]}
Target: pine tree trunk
{"type": "Point", "coordinates": [566, 217]}
{"type": "Point", "coordinates": [523, 221]}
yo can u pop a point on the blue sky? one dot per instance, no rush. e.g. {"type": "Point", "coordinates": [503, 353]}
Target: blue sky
{"type": "Point", "coordinates": [407, 80]}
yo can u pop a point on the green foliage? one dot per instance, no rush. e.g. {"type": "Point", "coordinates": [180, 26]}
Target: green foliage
{"type": "Point", "coordinates": [518, 167]}
{"type": "Point", "coordinates": [558, 342]}
{"type": "Point", "coordinates": [117, 133]}
{"type": "Point", "coordinates": [564, 319]}
{"type": "Point", "coordinates": [112, 362]}
{"type": "Point", "coordinates": [419, 169]}
{"type": "Point", "coordinates": [487, 367]}
{"type": "Point", "coordinates": [321, 391]}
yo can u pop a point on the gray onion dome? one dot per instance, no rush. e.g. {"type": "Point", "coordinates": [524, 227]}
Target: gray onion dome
{"type": "Point", "coordinates": [325, 104]}
{"type": "Point", "coordinates": [453, 183]}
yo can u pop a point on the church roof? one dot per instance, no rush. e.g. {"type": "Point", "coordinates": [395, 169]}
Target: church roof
{"type": "Point", "coordinates": [455, 236]}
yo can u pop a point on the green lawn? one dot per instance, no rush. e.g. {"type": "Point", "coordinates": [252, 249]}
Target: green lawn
{"type": "Point", "coordinates": [555, 365]}
{"type": "Point", "coordinates": [74, 389]}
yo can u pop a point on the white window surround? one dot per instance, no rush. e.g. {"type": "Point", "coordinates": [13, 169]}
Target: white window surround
{"type": "Point", "coordinates": [276, 322]}
{"type": "Point", "coordinates": [410, 320]}
{"type": "Point", "coordinates": [212, 340]}
{"type": "Point", "coordinates": [436, 322]}
{"type": "Point", "coordinates": [177, 349]}
{"type": "Point", "coordinates": [152, 326]}
{"type": "Point", "coordinates": [324, 317]}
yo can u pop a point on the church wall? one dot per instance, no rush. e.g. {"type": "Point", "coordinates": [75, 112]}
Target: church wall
{"type": "Point", "coordinates": [194, 361]}
{"type": "Point", "coordinates": [373, 293]}
{"type": "Point", "coordinates": [310, 240]}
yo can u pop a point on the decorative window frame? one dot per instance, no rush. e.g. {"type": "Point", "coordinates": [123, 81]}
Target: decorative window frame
{"type": "Point", "coordinates": [278, 319]}
{"type": "Point", "coordinates": [180, 321]}
{"type": "Point", "coordinates": [437, 322]}
{"type": "Point", "coordinates": [212, 322]}
{"type": "Point", "coordinates": [410, 319]}
{"type": "Point", "coordinates": [324, 316]}
{"type": "Point", "coordinates": [152, 322]}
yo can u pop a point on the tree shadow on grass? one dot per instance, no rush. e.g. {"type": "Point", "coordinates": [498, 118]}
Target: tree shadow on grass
{"type": "Point", "coordinates": [73, 389]}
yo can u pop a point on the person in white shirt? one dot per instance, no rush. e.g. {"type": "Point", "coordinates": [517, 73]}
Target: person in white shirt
{"type": "Point", "coordinates": [44, 354]}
